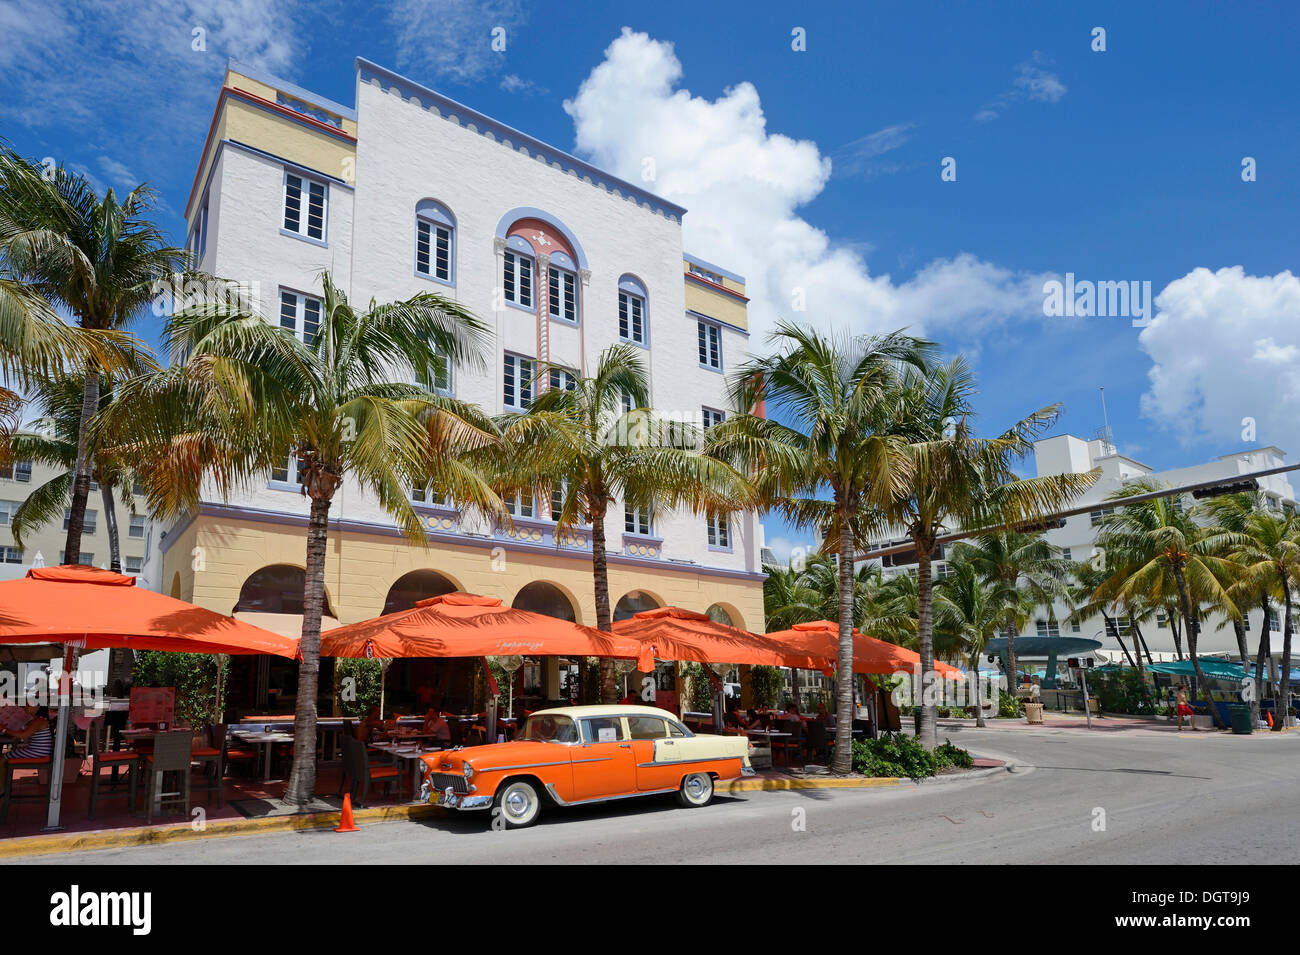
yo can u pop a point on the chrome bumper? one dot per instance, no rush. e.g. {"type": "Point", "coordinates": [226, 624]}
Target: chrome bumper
{"type": "Point", "coordinates": [747, 771]}
{"type": "Point", "coordinates": [450, 800]}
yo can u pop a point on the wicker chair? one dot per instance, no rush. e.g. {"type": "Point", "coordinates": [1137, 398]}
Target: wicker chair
{"type": "Point", "coordinates": [114, 760]}
{"type": "Point", "coordinates": [172, 753]}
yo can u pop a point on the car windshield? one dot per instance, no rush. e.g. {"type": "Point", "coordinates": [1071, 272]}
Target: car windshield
{"type": "Point", "coordinates": [549, 729]}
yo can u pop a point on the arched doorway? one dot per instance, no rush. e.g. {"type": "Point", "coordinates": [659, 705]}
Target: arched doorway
{"type": "Point", "coordinates": [545, 598]}
{"type": "Point", "coordinates": [416, 586]}
{"type": "Point", "coordinates": [276, 589]}
{"type": "Point", "coordinates": [634, 602]}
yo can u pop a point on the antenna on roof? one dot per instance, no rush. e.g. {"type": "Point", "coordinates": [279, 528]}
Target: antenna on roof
{"type": "Point", "coordinates": [1103, 434]}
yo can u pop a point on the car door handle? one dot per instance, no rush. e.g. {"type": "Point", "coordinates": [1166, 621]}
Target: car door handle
{"type": "Point", "coordinates": [624, 745]}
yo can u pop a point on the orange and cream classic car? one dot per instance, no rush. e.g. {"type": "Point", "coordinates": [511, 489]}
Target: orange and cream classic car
{"type": "Point", "coordinates": [582, 754]}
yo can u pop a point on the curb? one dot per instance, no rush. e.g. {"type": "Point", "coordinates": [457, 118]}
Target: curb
{"type": "Point", "coordinates": [750, 785]}
{"type": "Point", "coordinates": [184, 832]}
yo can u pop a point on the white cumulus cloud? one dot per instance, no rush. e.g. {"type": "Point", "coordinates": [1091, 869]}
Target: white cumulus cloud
{"type": "Point", "coordinates": [1224, 347]}
{"type": "Point", "coordinates": [743, 185]}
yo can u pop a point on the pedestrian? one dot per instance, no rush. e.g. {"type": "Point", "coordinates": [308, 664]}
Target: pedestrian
{"type": "Point", "coordinates": [1184, 709]}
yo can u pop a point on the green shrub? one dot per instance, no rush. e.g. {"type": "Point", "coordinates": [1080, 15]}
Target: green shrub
{"type": "Point", "coordinates": [950, 755]}
{"type": "Point", "coordinates": [362, 692]}
{"type": "Point", "coordinates": [1124, 691]}
{"type": "Point", "coordinates": [765, 683]}
{"type": "Point", "coordinates": [194, 675]}
{"type": "Point", "coordinates": [893, 754]}
{"type": "Point", "coordinates": [701, 691]}
{"type": "Point", "coordinates": [1008, 706]}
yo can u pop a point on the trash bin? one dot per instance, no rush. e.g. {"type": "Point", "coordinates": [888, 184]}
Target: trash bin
{"type": "Point", "coordinates": [1239, 718]}
{"type": "Point", "coordinates": [1034, 712]}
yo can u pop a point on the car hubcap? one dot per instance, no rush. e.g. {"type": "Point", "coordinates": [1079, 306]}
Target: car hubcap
{"type": "Point", "coordinates": [517, 803]}
{"type": "Point", "coordinates": [696, 787]}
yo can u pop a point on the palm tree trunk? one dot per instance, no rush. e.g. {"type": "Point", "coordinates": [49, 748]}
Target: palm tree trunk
{"type": "Point", "coordinates": [927, 727]}
{"type": "Point", "coordinates": [1120, 640]}
{"type": "Point", "coordinates": [1193, 626]}
{"type": "Point", "coordinates": [1284, 680]}
{"type": "Point", "coordinates": [1011, 654]}
{"type": "Point", "coordinates": [302, 778]}
{"type": "Point", "coordinates": [842, 763]}
{"type": "Point", "coordinates": [1142, 642]}
{"type": "Point", "coordinates": [81, 480]}
{"type": "Point", "coordinates": [1260, 661]}
{"type": "Point", "coordinates": [1239, 628]}
{"type": "Point", "coordinates": [1176, 628]}
{"type": "Point", "coordinates": [975, 675]}
{"type": "Point", "coordinates": [110, 521]}
{"type": "Point", "coordinates": [1138, 642]}
{"type": "Point", "coordinates": [600, 570]}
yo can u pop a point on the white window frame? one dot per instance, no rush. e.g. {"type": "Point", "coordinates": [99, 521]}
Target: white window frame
{"type": "Point", "coordinates": [10, 554]}
{"type": "Point", "coordinates": [517, 374]}
{"type": "Point", "coordinates": [709, 341]}
{"type": "Point", "coordinates": [636, 522]}
{"type": "Point", "coordinates": [18, 471]}
{"type": "Point", "coordinates": [137, 522]}
{"type": "Point", "coordinates": [302, 229]}
{"type": "Point", "coordinates": [1048, 628]}
{"type": "Point", "coordinates": [299, 327]}
{"type": "Point", "coordinates": [431, 225]}
{"type": "Point", "coordinates": [718, 532]}
{"type": "Point", "coordinates": [521, 506]}
{"type": "Point", "coordinates": [711, 417]}
{"type": "Point", "coordinates": [7, 509]}
{"type": "Point", "coordinates": [562, 294]}
{"type": "Point", "coordinates": [626, 314]}
{"type": "Point", "coordinates": [89, 521]}
{"type": "Point", "coordinates": [292, 469]}
{"type": "Point", "coordinates": [562, 378]}
{"type": "Point", "coordinates": [126, 565]}
{"type": "Point", "coordinates": [512, 274]}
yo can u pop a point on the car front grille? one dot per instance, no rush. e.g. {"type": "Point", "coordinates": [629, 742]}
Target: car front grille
{"type": "Point", "coordinates": [441, 782]}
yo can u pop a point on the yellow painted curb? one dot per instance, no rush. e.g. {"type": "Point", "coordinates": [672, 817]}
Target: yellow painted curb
{"type": "Point", "coordinates": [183, 832]}
{"type": "Point", "coordinates": [776, 785]}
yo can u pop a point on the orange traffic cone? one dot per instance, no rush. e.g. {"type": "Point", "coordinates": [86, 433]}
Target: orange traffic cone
{"type": "Point", "coordinates": [1270, 718]}
{"type": "Point", "coordinates": [346, 824]}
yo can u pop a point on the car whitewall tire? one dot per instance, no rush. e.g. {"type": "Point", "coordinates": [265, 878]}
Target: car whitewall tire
{"type": "Point", "coordinates": [518, 804]}
{"type": "Point", "coordinates": [696, 790]}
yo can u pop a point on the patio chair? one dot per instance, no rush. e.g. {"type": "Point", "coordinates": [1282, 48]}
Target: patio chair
{"type": "Point", "coordinates": [24, 762]}
{"type": "Point", "coordinates": [792, 745]}
{"type": "Point", "coordinates": [172, 753]}
{"type": "Point", "coordinates": [816, 744]}
{"type": "Point", "coordinates": [364, 774]}
{"type": "Point", "coordinates": [213, 755]}
{"type": "Point", "coordinates": [114, 760]}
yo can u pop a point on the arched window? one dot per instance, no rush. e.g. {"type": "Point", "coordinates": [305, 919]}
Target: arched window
{"type": "Point", "coordinates": [518, 281]}
{"type": "Point", "coordinates": [633, 311]}
{"type": "Point", "coordinates": [718, 614]}
{"type": "Point", "coordinates": [435, 242]}
{"type": "Point", "coordinates": [416, 586]}
{"type": "Point", "coordinates": [275, 589]}
{"type": "Point", "coordinates": [545, 598]}
{"type": "Point", "coordinates": [632, 603]}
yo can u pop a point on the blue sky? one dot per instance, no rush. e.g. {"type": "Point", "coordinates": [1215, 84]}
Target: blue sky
{"type": "Point", "coordinates": [820, 169]}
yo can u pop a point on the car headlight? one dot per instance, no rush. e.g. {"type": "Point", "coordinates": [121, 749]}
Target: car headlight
{"type": "Point", "coordinates": [469, 770]}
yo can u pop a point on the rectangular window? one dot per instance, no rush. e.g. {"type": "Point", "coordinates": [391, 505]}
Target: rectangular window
{"type": "Point", "coordinates": [1097, 515]}
{"type": "Point", "coordinates": [304, 206]}
{"type": "Point", "coordinates": [11, 555]}
{"type": "Point", "coordinates": [563, 297]}
{"type": "Point", "coordinates": [87, 559]}
{"type": "Point", "coordinates": [433, 250]}
{"type": "Point", "coordinates": [301, 315]}
{"type": "Point", "coordinates": [132, 565]}
{"type": "Point", "coordinates": [137, 488]}
{"type": "Point", "coordinates": [1065, 553]}
{"type": "Point", "coordinates": [137, 526]}
{"type": "Point", "coordinates": [1118, 627]}
{"type": "Point", "coordinates": [710, 345]}
{"type": "Point", "coordinates": [637, 520]}
{"type": "Point", "coordinates": [517, 382]}
{"type": "Point", "coordinates": [425, 495]}
{"type": "Point", "coordinates": [1048, 628]}
{"type": "Point", "coordinates": [289, 472]}
{"type": "Point", "coordinates": [17, 471]}
{"type": "Point", "coordinates": [1162, 621]}
{"type": "Point", "coordinates": [712, 417]}
{"type": "Point", "coordinates": [1074, 626]}
{"type": "Point", "coordinates": [562, 378]}
{"type": "Point", "coordinates": [719, 531]}
{"type": "Point", "coordinates": [520, 505]}
{"type": "Point", "coordinates": [631, 318]}
{"type": "Point", "coordinates": [7, 509]}
{"type": "Point", "coordinates": [519, 279]}
{"type": "Point", "coordinates": [88, 521]}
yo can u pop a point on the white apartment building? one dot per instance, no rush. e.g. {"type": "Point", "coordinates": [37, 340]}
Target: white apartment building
{"type": "Point", "coordinates": [408, 191]}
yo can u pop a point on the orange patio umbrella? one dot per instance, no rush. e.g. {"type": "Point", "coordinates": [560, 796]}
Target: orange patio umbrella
{"type": "Point", "coordinates": [677, 634]}
{"type": "Point", "coordinates": [92, 609]}
{"type": "Point", "coordinates": [468, 625]}
{"type": "Point", "coordinates": [821, 637]}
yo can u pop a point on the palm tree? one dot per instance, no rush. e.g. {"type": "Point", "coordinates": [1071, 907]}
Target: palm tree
{"type": "Point", "coordinates": [1268, 554]}
{"type": "Point", "coordinates": [970, 611]}
{"type": "Point", "coordinates": [840, 393]}
{"type": "Point", "coordinates": [52, 440]}
{"type": "Point", "coordinates": [1155, 544]}
{"type": "Point", "coordinates": [952, 479]}
{"type": "Point", "coordinates": [99, 259]}
{"type": "Point", "coordinates": [1017, 562]}
{"type": "Point", "coordinates": [245, 395]}
{"type": "Point", "coordinates": [1088, 576]}
{"type": "Point", "coordinates": [578, 448]}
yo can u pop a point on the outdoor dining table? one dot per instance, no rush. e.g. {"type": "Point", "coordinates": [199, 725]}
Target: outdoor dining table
{"type": "Point", "coordinates": [410, 752]}
{"type": "Point", "coordinates": [265, 741]}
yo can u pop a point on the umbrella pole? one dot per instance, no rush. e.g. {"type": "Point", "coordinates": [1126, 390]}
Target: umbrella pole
{"type": "Point", "coordinates": [60, 743]}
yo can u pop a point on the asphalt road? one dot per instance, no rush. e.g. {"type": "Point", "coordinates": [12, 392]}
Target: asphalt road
{"type": "Point", "coordinates": [1122, 797]}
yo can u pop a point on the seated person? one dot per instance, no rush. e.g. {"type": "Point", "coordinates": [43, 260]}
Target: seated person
{"type": "Point", "coordinates": [751, 720]}
{"type": "Point", "coordinates": [370, 726]}
{"type": "Point", "coordinates": [33, 741]}
{"type": "Point", "coordinates": [435, 724]}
